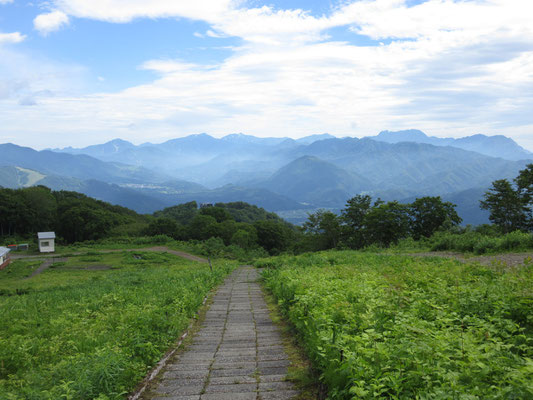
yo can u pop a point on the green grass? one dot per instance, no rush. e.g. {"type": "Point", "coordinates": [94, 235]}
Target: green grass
{"type": "Point", "coordinates": [396, 327]}
{"type": "Point", "coordinates": [77, 333]}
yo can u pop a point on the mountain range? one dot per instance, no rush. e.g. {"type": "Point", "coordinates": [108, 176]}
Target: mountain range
{"type": "Point", "coordinates": [279, 174]}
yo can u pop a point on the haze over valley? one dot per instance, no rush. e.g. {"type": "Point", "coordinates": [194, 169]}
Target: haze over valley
{"type": "Point", "coordinates": [290, 177]}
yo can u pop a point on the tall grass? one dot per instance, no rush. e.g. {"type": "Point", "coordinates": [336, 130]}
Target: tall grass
{"type": "Point", "coordinates": [95, 336]}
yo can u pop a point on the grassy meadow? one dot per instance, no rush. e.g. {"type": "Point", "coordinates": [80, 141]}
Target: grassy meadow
{"type": "Point", "coordinates": [386, 326]}
{"type": "Point", "coordinates": [92, 326]}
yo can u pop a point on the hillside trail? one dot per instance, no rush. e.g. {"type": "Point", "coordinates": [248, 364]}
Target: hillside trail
{"type": "Point", "coordinates": [48, 260]}
{"type": "Point", "coordinates": [237, 354]}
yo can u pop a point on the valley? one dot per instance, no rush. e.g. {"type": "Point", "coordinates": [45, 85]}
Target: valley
{"type": "Point", "coordinates": [292, 177]}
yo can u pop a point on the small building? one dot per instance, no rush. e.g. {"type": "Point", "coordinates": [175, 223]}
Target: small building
{"type": "Point", "coordinates": [4, 257]}
{"type": "Point", "coordinates": [46, 242]}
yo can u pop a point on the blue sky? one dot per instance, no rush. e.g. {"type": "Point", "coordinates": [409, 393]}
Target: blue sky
{"type": "Point", "coordinates": [74, 72]}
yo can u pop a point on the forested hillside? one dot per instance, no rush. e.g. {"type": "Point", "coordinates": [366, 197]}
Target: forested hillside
{"type": "Point", "coordinates": [74, 216]}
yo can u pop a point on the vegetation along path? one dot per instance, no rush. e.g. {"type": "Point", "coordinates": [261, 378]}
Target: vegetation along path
{"type": "Point", "coordinates": [49, 260]}
{"type": "Point", "coordinates": [237, 353]}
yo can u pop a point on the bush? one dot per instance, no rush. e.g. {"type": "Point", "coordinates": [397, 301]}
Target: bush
{"type": "Point", "coordinates": [393, 327]}
{"type": "Point", "coordinates": [475, 242]}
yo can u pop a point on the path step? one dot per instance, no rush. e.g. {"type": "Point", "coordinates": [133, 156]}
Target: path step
{"type": "Point", "coordinates": [236, 355]}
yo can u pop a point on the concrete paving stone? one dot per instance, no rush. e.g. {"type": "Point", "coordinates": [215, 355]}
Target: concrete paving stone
{"type": "Point", "coordinates": [223, 359]}
{"type": "Point", "coordinates": [265, 340]}
{"type": "Point", "coordinates": [272, 357]}
{"type": "Point", "coordinates": [191, 366]}
{"type": "Point", "coordinates": [206, 339]}
{"type": "Point", "coordinates": [266, 345]}
{"type": "Point", "coordinates": [273, 349]}
{"type": "Point", "coordinates": [227, 380]}
{"type": "Point", "coordinates": [242, 340]}
{"type": "Point", "coordinates": [229, 396]}
{"type": "Point", "coordinates": [203, 348]}
{"type": "Point", "coordinates": [233, 372]}
{"type": "Point", "coordinates": [272, 370]}
{"type": "Point", "coordinates": [239, 330]}
{"type": "Point", "coordinates": [176, 374]}
{"type": "Point", "coordinates": [276, 363]}
{"type": "Point", "coordinates": [277, 395]}
{"type": "Point", "coordinates": [236, 352]}
{"type": "Point", "coordinates": [192, 356]}
{"type": "Point", "coordinates": [232, 388]}
{"type": "Point", "coordinates": [236, 346]}
{"type": "Point", "coordinates": [197, 397]}
{"type": "Point", "coordinates": [181, 382]}
{"type": "Point", "coordinates": [272, 378]}
{"type": "Point", "coordinates": [234, 365]}
{"type": "Point", "coordinates": [176, 390]}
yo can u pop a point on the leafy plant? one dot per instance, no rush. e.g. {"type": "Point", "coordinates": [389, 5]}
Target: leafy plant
{"type": "Point", "coordinates": [396, 327]}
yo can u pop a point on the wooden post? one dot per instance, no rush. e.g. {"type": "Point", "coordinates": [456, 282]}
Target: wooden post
{"type": "Point", "coordinates": [210, 266]}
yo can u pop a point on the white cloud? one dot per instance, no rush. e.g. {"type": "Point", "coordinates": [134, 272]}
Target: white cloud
{"type": "Point", "coordinates": [449, 67]}
{"type": "Point", "coordinates": [122, 11]}
{"type": "Point", "coordinates": [50, 22]}
{"type": "Point", "coordinates": [6, 1]}
{"type": "Point", "coordinates": [15, 37]}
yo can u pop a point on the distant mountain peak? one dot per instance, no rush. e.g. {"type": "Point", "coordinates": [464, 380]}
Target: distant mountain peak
{"type": "Point", "coordinates": [315, 138]}
{"type": "Point", "coordinates": [240, 135]}
{"type": "Point", "coordinates": [401, 136]}
{"type": "Point", "coordinates": [494, 146]}
{"type": "Point", "coordinates": [119, 141]}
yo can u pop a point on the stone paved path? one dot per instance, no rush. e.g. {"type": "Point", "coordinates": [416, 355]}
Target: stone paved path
{"type": "Point", "coordinates": [236, 355]}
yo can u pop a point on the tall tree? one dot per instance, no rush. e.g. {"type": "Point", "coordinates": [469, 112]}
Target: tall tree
{"type": "Point", "coordinates": [428, 214]}
{"type": "Point", "coordinates": [273, 236]}
{"type": "Point", "coordinates": [325, 228]}
{"type": "Point", "coordinates": [387, 223]}
{"type": "Point", "coordinates": [353, 218]}
{"type": "Point", "coordinates": [506, 206]}
{"type": "Point", "coordinates": [524, 183]}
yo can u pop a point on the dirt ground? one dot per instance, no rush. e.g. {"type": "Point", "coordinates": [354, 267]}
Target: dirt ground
{"type": "Point", "coordinates": [509, 259]}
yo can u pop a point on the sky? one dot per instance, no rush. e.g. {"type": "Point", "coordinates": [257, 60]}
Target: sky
{"type": "Point", "coordinates": [78, 72]}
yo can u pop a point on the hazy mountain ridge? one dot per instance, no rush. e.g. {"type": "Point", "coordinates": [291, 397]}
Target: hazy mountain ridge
{"type": "Point", "coordinates": [274, 173]}
{"type": "Point", "coordinates": [147, 198]}
{"type": "Point", "coordinates": [79, 166]}
{"type": "Point", "coordinates": [493, 146]}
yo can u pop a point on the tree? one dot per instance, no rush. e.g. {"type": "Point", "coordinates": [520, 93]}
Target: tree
{"type": "Point", "coordinates": [273, 236]}
{"type": "Point", "coordinates": [428, 214]}
{"type": "Point", "coordinates": [163, 226]}
{"type": "Point", "coordinates": [387, 223]}
{"type": "Point", "coordinates": [356, 209]}
{"type": "Point", "coordinates": [524, 183]}
{"type": "Point", "coordinates": [353, 218]}
{"type": "Point", "coordinates": [218, 213]}
{"type": "Point", "coordinates": [225, 230]}
{"type": "Point", "coordinates": [325, 228]}
{"type": "Point", "coordinates": [244, 239]}
{"type": "Point", "coordinates": [42, 208]}
{"type": "Point", "coordinates": [182, 213]}
{"type": "Point", "coordinates": [202, 227]}
{"type": "Point", "coordinates": [506, 206]}
{"type": "Point", "coordinates": [82, 222]}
